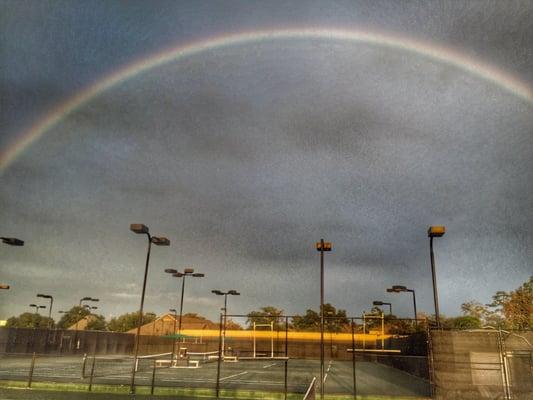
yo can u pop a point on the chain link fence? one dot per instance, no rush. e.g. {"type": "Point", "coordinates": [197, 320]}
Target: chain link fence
{"type": "Point", "coordinates": [482, 364]}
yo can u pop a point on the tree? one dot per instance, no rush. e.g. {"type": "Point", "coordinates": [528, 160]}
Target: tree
{"type": "Point", "coordinates": [75, 314]}
{"type": "Point", "coordinates": [334, 320]}
{"type": "Point", "coordinates": [96, 323]}
{"type": "Point", "coordinates": [464, 322]}
{"type": "Point", "coordinates": [310, 321]}
{"type": "Point", "coordinates": [483, 313]}
{"type": "Point", "coordinates": [513, 310]}
{"type": "Point", "coordinates": [266, 315]}
{"type": "Point", "coordinates": [128, 321]}
{"type": "Point", "coordinates": [30, 320]}
{"type": "Point", "coordinates": [517, 307]}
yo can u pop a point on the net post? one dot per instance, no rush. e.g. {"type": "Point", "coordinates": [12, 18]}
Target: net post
{"type": "Point", "coordinates": [219, 357]}
{"type": "Point", "coordinates": [32, 366]}
{"type": "Point", "coordinates": [92, 374]}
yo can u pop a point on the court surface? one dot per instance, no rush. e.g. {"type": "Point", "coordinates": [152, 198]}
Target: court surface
{"type": "Point", "coordinates": [259, 374]}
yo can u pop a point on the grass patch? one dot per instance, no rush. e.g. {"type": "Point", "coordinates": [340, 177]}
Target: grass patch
{"type": "Point", "coordinates": [200, 393]}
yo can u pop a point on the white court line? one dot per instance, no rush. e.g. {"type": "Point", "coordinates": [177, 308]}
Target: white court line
{"type": "Point", "coordinates": [326, 374]}
{"type": "Point", "coordinates": [233, 376]}
{"type": "Point", "coordinates": [269, 365]}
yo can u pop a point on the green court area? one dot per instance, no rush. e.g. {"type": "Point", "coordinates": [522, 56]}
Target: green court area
{"type": "Point", "coordinates": [249, 376]}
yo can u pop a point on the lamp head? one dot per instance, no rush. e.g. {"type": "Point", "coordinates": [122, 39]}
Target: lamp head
{"type": "Point", "coordinates": [399, 288]}
{"type": "Point", "coordinates": [171, 271]}
{"type": "Point", "coordinates": [327, 246]}
{"type": "Point", "coordinates": [188, 271]}
{"type": "Point", "coordinates": [198, 275]}
{"type": "Point", "coordinates": [436, 231]}
{"type": "Point", "coordinates": [13, 241]}
{"type": "Point", "coordinates": [139, 228]}
{"type": "Point", "coordinates": [160, 241]}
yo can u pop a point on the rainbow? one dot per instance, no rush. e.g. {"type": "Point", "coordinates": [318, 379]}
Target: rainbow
{"type": "Point", "coordinates": [435, 52]}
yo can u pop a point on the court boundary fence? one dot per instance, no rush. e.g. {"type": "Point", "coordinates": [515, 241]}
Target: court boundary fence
{"type": "Point", "coordinates": [481, 364]}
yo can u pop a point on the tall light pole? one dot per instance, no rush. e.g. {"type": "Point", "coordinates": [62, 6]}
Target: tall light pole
{"type": "Point", "coordinates": [322, 247]}
{"type": "Point", "coordinates": [382, 303]}
{"type": "Point", "coordinates": [158, 241]}
{"type": "Point", "coordinates": [87, 298]}
{"type": "Point", "coordinates": [399, 289]}
{"type": "Point", "coordinates": [47, 296]}
{"type": "Point", "coordinates": [186, 272]}
{"type": "Point", "coordinates": [231, 292]}
{"type": "Point", "coordinates": [433, 232]}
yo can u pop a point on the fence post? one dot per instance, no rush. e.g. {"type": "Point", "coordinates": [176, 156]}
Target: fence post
{"type": "Point", "coordinates": [83, 365]}
{"type": "Point", "coordinates": [431, 371]}
{"type": "Point", "coordinates": [153, 378]}
{"type": "Point", "coordinates": [353, 362]}
{"type": "Point", "coordinates": [92, 374]}
{"type": "Point", "coordinates": [219, 360]}
{"type": "Point", "coordinates": [32, 366]}
{"type": "Point", "coordinates": [286, 352]}
{"type": "Point", "coordinates": [505, 376]}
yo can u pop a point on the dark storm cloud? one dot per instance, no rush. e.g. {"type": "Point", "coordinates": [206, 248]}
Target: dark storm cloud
{"type": "Point", "coordinates": [245, 156]}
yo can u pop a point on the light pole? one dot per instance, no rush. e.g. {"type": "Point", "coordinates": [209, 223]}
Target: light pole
{"type": "Point", "coordinates": [231, 292]}
{"type": "Point", "coordinates": [382, 303]}
{"type": "Point", "coordinates": [175, 273]}
{"type": "Point", "coordinates": [47, 296]}
{"type": "Point", "coordinates": [12, 241]}
{"type": "Point", "coordinates": [158, 241]}
{"type": "Point", "coordinates": [322, 247]}
{"type": "Point", "coordinates": [399, 289]}
{"type": "Point", "coordinates": [435, 231]}
{"type": "Point", "coordinates": [87, 298]}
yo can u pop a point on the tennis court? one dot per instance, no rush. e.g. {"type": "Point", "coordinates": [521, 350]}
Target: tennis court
{"type": "Point", "coordinates": [260, 374]}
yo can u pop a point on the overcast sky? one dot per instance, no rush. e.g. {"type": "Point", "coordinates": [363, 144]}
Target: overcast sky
{"type": "Point", "coordinates": [245, 156]}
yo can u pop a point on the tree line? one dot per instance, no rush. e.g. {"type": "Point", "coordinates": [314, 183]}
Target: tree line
{"type": "Point", "coordinates": [508, 310]}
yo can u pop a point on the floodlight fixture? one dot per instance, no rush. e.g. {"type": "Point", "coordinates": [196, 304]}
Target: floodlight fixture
{"type": "Point", "coordinates": [217, 292]}
{"type": "Point", "coordinates": [6, 287]}
{"type": "Point", "coordinates": [160, 241]}
{"type": "Point", "coordinates": [436, 231]}
{"type": "Point", "coordinates": [188, 270]}
{"type": "Point", "coordinates": [12, 241]}
{"type": "Point", "coordinates": [178, 274]}
{"type": "Point", "coordinates": [323, 246]}
{"type": "Point", "coordinates": [173, 310]}
{"type": "Point", "coordinates": [198, 275]}
{"type": "Point", "coordinates": [139, 228]}
{"type": "Point", "coordinates": [171, 271]}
